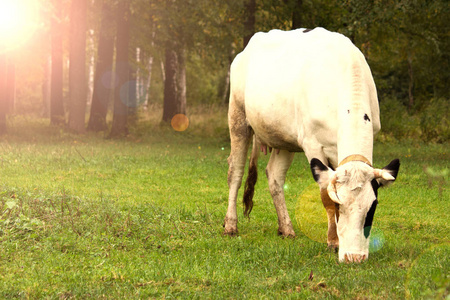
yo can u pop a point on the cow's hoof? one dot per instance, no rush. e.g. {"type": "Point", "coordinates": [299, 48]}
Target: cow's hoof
{"type": "Point", "coordinates": [230, 227]}
{"type": "Point", "coordinates": [333, 245]}
{"type": "Point", "coordinates": [333, 248]}
{"type": "Point", "coordinates": [231, 233]}
{"type": "Point", "coordinates": [286, 233]}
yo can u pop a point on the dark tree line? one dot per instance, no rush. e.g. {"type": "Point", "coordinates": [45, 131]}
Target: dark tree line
{"type": "Point", "coordinates": [192, 43]}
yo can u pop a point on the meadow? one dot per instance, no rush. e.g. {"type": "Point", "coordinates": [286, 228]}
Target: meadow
{"type": "Point", "coordinates": [82, 216]}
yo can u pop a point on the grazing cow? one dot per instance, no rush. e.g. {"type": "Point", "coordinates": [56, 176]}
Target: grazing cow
{"type": "Point", "coordinates": [308, 91]}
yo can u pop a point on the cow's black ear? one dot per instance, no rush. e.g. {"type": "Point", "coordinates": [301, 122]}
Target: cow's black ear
{"type": "Point", "coordinates": [317, 167]}
{"type": "Point", "coordinates": [393, 167]}
{"type": "Point", "coordinates": [390, 170]}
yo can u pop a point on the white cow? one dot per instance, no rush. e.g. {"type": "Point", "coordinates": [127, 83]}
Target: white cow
{"type": "Point", "coordinates": [310, 91]}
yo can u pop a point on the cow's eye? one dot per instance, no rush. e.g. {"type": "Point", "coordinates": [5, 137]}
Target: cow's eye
{"type": "Point", "coordinates": [337, 212]}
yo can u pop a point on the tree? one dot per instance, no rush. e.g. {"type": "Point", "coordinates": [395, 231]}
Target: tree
{"type": "Point", "coordinates": [119, 126]}
{"type": "Point", "coordinates": [56, 93]}
{"type": "Point", "coordinates": [103, 71]}
{"type": "Point", "coordinates": [175, 68]}
{"type": "Point", "coordinates": [297, 15]}
{"type": "Point", "coordinates": [77, 69]}
{"type": "Point", "coordinates": [3, 92]}
{"type": "Point", "coordinates": [7, 88]}
{"type": "Point", "coordinates": [175, 81]}
{"type": "Point", "coordinates": [249, 22]}
{"type": "Point", "coordinates": [405, 43]}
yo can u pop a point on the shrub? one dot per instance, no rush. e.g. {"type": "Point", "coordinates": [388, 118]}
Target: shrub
{"type": "Point", "coordinates": [396, 122]}
{"type": "Point", "coordinates": [434, 122]}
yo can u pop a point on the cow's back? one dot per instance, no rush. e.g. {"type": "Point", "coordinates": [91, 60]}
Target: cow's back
{"type": "Point", "coordinates": [294, 85]}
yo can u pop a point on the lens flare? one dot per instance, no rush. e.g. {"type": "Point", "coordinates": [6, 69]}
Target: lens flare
{"type": "Point", "coordinates": [376, 241]}
{"type": "Point", "coordinates": [310, 215]}
{"type": "Point", "coordinates": [19, 19]}
{"type": "Point", "coordinates": [128, 94]}
{"type": "Point", "coordinates": [180, 122]}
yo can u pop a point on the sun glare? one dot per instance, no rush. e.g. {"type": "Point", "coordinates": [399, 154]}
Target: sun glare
{"type": "Point", "coordinates": [18, 21]}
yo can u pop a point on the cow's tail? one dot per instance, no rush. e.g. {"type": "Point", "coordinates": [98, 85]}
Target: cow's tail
{"type": "Point", "coordinates": [251, 178]}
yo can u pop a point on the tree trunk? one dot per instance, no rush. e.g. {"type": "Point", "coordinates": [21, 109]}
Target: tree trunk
{"type": "Point", "coordinates": [91, 69]}
{"type": "Point", "coordinates": [103, 76]}
{"type": "Point", "coordinates": [297, 15]}
{"type": "Point", "coordinates": [77, 67]}
{"type": "Point", "coordinates": [3, 92]}
{"type": "Point", "coordinates": [249, 23]}
{"type": "Point", "coordinates": [170, 83]}
{"type": "Point", "coordinates": [132, 94]}
{"type": "Point", "coordinates": [56, 93]}
{"type": "Point", "coordinates": [138, 75]}
{"type": "Point", "coordinates": [175, 81]}
{"type": "Point", "coordinates": [10, 85]}
{"type": "Point", "coordinates": [119, 125]}
{"type": "Point", "coordinates": [181, 81]}
{"type": "Point", "coordinates": [46, 87]}
{"type": "Point", "coordinates": [149, 81]}
{"type": "Point", "coordinates": [411, 82]}
{"type": "Point", "coordinates": [226, 89]}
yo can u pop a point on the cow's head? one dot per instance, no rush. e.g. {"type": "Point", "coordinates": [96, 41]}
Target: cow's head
{"type": "Point", "coordinates": [353, 188]}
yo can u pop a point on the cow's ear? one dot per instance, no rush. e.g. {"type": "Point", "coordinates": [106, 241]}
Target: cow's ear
{"type": "Point", "coordinates": [321, 173]}
{"type": "Point", "coordinates": [388, 174]}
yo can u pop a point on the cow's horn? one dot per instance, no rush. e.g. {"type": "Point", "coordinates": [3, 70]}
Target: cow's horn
{"type": "Point", "coordinates": [378, 173]}
{"type": "Point", "coordinates": [332, 191]}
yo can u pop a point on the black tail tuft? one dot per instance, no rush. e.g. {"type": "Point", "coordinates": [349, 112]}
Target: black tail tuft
{"type": "Point", "coordinates": [252, 177]}
{"type": "Point", "coordinates": [250, 189]}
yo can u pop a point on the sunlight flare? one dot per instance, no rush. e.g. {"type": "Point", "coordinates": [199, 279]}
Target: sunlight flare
{"type": "Point", "coordinates": [180, 122]}
{"type": "Point", "coordinates": [18, 21]}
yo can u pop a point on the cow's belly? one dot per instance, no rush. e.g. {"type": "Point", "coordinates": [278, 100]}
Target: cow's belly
{"type": "Point", "coordinates": [276, 130]}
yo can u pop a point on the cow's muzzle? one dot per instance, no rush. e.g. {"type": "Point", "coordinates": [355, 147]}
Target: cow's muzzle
{"type": "Point", "coordinates": [354, 258]}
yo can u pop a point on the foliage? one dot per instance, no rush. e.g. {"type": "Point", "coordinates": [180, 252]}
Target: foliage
{"type": "Point", "coordinates": [405, 42]}
{"type": "Point", "coordinates": [85, 217]}
{"type": "Point", "coordinates": [396, 122]}
{"type": "Point", "coordinates": [434, 121]}
{"type": "Point", "coordinates": [429, 123]}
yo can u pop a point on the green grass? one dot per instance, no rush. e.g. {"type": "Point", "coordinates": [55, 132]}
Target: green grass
{"type": "Point", "coordinates": [86, 217]}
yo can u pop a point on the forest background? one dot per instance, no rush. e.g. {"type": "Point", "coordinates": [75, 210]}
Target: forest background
{"type": "Point", "coordinates": [100, 65]}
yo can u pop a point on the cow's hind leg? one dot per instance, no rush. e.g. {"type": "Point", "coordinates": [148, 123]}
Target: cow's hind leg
{"type": "Point", "coordinates": [276, 170]}
{"type": "Point", "coordinates": [332, 214]}
{"type": "Point", "coordinates": [240, 134]}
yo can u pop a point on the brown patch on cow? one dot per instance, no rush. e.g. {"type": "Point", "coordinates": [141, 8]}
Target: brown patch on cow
{"type": "Point", "coordinates": [330, 207]}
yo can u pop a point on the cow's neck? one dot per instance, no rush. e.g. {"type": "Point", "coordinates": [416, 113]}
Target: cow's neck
{"type": "Point", "coordinates": [356, 131]}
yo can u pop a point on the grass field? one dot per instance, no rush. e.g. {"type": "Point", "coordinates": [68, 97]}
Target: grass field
{"type": "Point", "coordinates": [86, 217]}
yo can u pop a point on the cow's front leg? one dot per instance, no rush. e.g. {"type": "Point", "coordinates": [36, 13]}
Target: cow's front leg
{"type": "Point", "coordinates": [332, 214]}
{"type": "Point", "coordinates": [276, 170]}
